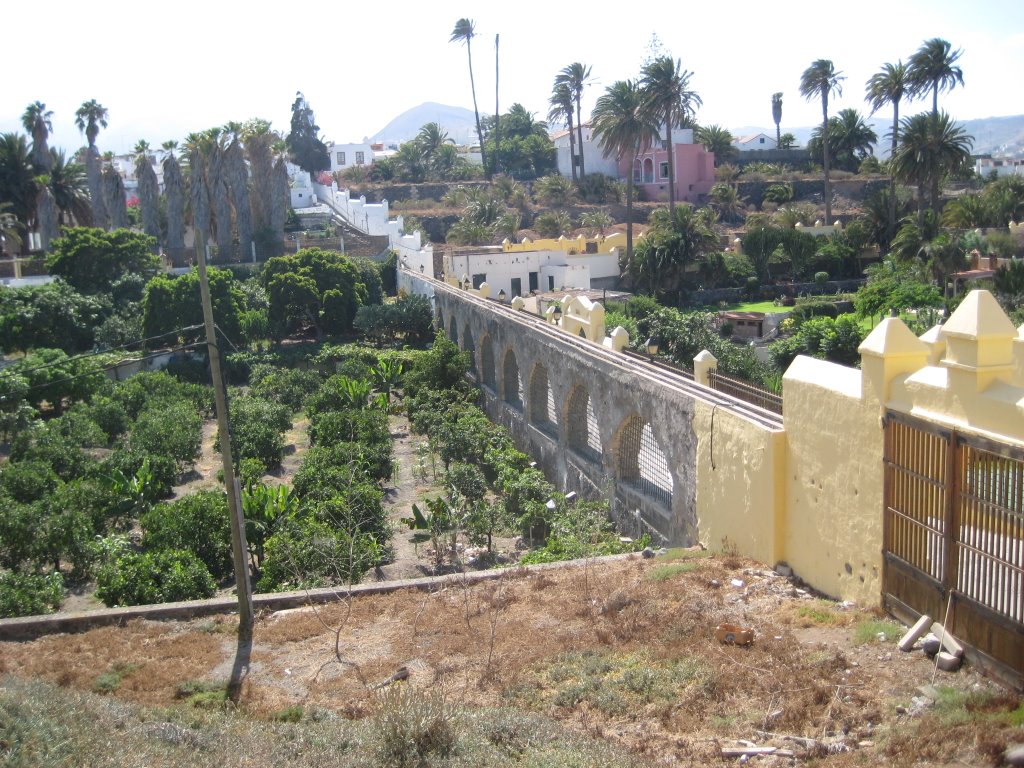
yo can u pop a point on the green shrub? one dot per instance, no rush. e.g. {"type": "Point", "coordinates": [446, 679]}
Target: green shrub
{"type": "Point", "coordinates": [172, 429]}
{"type": "Point", "coordinates": [28, 481]}
{"type": "Point", "coordinates": [820, 278]}
{"type": "Point", "coordinates": [26, 594]}
{"type": "Point", "coordinates": [257, 430]}
{"type": "Point", "coordinates": [154, 577]}
{"type": "Point", "coordinates": [198, 523]}
{"type": "Point", "coordinates": [287, 386]}
{"type": "Point", "coordinates": [306, 553]}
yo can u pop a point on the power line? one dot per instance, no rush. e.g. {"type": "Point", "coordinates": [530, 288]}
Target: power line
{"type": "Point", "coordinates": [10, 369]}
{"type": "Point", "coordinates": [112, 366]}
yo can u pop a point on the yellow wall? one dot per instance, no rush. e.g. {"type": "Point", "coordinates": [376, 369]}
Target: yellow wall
{"type": "Point", "coordinates": [833, 519]}
{"type": "Point", "coordinates": [569, 245]}
{"type": "Point", "coordinates": [740, 482]}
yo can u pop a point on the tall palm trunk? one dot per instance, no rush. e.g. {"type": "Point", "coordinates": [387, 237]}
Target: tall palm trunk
{"type": "Point", "coordinates": [262, 163]}
{"type": "Point", "coordinates": [825, 163]}
{"type": "Point", "coordinates": [497, 113]}
{"type": "Point", "coordinates": [200, 199]}
{"type": "Point", "coordinates": [174, 191]}
{"type": "Point", "coordinates": [476, 111]}
{"type": "Point", "coordinates": [46, 217]}
{"type": "Point", "coordinates": [94, 176]}
{"type": "Point", "coordinates": [572, 146]}
{"type": "Point", "coordinates": [671, 162]}
{"type": "Point", "coordinates": [891, 228]}
{"type": "Point", "coordinates": [113, 189]}
{"type": "Point", "coordinates": [579, 143]}
{"type": "Point", "coordinates": [281, 202]}
{"type": "Point", "coordinates": [238, 181]}
{"type": "Point", "coordinates": [219, 197]}
{"type": "Point", "coordinates": [629, 210]}
{"type": "Point", "coordinates": [149, 198]}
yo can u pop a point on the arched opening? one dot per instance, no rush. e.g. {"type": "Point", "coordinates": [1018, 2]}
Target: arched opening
{"type": "Point", "coordinates": [581, 425]}
{"type": "Point", "coordinates": [487, 363]}
{"type": "Point", "coordinates": [641, 463]}
{"type": "Point", "coordinates": [511, 381]}
{"type": "Point", "coordinates": [468, 348]}
{"type": "Point", "coordinates": [453, 330]}
{"type": "Point", "coordinates": [543, 413]}
{"type": "Point", "coordinates": [648, 171]}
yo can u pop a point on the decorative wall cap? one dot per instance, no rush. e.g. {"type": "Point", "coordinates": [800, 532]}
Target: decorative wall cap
{"type": "Point", "coordinates": [979, 316]}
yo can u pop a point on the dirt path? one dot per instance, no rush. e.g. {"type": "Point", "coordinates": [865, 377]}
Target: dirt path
{"type": "Point", "coordinates": [404, 490]}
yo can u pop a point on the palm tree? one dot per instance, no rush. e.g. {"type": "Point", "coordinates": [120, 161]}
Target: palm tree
{"type": "Point", "coordinates": [931, 147]}
{"type": "Point", "coordinates": [888, 86]}
{"type": "Point", "coordinates": [114, 194]}
{"type": "Point", "coordinates": [17, 179]}
{"type": "Point", "coordinates": [717, 140]}
{"type": "Point", "coordinates": [677, 237]}
{"type": "Point", "coordinates": [561, 112]}
{"type": "Point", "coordinates": [850, 140]}
{"type": "Point", "coordinates": [624, 129]}
{"type": "Point", "coordinates": [236, 175]}
{"type": "Point", "coordinates": [89, 118]}
{"type": "Point", "coordinates": [819, 81]}
{"type": "Point", "coordinates": [174, 191]}
{"type": "Point", "coordinates": [70, 189]}
{"type": "Point", "coordinates": [777, 116]}
{"type": "Point", "coordinates": [38, 122]}
{"type": "Point", "coordinates": [149, 191]}
{"type": "Point", "coordinates": [669, 102]}
{"type": "Point", "coordinates": [576, 76]}
{"type": "Point", "coordinates": [259, 141]}
{"type": "Point", "coordinates": [463, 32]}
{"type": "Point", "coordinates": [932, 68]}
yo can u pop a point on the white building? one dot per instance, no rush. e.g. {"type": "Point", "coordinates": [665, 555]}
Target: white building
{"type": "Point", "coordinates": [1003, 165]}
{"type": "Point", "coordinates": [594, 160]}
{"type": "Point", "coordinates": [344, 156]}
{"type": "Point", "coordinates": [754, 141]}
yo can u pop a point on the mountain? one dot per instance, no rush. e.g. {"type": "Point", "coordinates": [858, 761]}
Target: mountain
{"type": "Point", "coordinates": [457, 121]}
{"type": "Point", "coordinates": [991, 134]}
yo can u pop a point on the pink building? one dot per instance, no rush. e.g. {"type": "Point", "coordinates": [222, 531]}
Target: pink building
{"type": "Point", "coordinates": [694, 171]}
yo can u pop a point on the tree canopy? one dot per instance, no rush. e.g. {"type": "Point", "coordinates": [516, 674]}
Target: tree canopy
{"type": "Point", "coordinates": [307, 150]}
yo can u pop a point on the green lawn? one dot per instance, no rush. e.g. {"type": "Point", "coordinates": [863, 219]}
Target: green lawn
{"type": "Point", "coordinates": [767, 307]}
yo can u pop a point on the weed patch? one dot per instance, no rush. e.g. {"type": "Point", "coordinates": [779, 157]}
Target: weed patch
{"type": "Point", "coordinates": [666, 572]}
{"type": "Point", "coordinates": [876, 631]}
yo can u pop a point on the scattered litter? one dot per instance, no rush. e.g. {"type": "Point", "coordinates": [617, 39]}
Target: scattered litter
{"type": "Point", "coordinates": [738, 583]}
{"type": "Point", "coordinates": [733, 634]}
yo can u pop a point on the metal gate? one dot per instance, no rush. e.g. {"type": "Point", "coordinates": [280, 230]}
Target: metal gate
{"type": "Point", "coordinates": [954, 536]}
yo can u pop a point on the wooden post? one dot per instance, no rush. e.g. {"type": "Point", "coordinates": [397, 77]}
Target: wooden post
{"type": "Point", "coordinates": [238, 544]}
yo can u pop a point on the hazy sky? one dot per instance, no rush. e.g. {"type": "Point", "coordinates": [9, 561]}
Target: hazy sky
{"type": "Point", "coordinates": [166, 69]}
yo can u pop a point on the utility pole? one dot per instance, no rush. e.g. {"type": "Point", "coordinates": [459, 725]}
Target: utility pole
{"type": "Point", "coordinates": [239, 549]}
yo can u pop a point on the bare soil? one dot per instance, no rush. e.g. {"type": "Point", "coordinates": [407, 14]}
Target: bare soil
{"type": "Point", "coordinates": [622, 649]}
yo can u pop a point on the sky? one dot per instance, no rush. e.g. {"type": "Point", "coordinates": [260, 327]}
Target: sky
{"type": "Point", "coordinates": [166, 69]}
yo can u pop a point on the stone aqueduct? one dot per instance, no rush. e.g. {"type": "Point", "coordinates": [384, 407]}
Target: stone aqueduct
{"type": "Point", "coordinates": [597, 422]}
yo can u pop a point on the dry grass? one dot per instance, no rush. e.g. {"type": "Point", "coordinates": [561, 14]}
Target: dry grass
{"type": "Point", "coordinates": [622, 651]}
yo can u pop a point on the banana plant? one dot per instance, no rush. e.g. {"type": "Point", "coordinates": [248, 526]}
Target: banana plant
{"type": "Point", "coordinates": [265, 508]}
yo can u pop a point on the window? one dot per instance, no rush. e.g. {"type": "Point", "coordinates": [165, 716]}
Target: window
{"type": "Point", "coordinates": [359, 158]}
{"type": "Point", "coordinates": [478, 280]}
{"type": "Point", "coordinates": [517, 287]}
{"type": "Point", "coordinates": [533, 281]}
{"type": "Point", "coordinates": [341, 158]}
{"type": "Point", "coordinates": [551, 282]}
{"type": "Point", "coordinates": [663, 170]}
{"type": "Point", "coordinates": [761, 140]}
